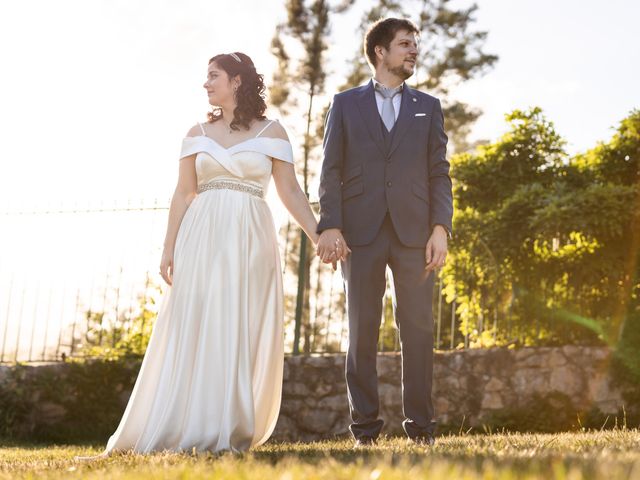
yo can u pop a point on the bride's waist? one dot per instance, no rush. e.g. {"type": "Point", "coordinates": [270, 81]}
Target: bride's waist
{"type": "Point", "coordinates": [225, 183]}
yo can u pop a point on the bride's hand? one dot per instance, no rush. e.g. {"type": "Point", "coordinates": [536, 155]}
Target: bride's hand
{"type": "Point", "coordinates": [166, 266]}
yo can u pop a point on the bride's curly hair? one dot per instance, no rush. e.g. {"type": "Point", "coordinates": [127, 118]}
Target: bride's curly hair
{"type": "Point", "coordinates": [250, 104]}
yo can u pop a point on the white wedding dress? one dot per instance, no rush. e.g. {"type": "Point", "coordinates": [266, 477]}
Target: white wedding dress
{"type": "Point", "coordinates": [211, 378]}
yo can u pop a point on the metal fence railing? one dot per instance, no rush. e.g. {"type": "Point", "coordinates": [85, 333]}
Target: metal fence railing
{"type": "Point", "coordinates": [83, 274]}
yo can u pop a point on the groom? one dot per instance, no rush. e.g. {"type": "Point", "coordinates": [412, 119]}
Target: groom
{"type": "Point", "coordinates": [385, 197]}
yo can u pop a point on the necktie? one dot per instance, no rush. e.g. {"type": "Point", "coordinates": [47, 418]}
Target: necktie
{"type": "Point", "coordinates": [388, 113]}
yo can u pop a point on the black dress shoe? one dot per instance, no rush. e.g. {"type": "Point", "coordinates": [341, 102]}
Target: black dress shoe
{"type": "Point", "coordinates": [365, 441]}
{"type": "Point", "coordinates": [426, 440]}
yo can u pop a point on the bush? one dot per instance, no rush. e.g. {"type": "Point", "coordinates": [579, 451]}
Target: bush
{"type": "Point", "coordinates": [71, 401]}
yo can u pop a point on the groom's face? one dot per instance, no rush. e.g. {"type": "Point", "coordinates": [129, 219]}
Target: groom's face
{"type": "Point", "coordinates": [400, 58]}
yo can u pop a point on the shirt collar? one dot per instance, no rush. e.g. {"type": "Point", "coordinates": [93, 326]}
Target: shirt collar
{"type": "Point", "coordinates": [376, 82]}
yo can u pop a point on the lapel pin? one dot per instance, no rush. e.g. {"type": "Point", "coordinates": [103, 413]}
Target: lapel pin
{"type": "Point", "coordinates": [415, 100]}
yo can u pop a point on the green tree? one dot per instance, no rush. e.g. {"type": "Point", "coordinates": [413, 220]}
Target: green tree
{"type": "Point", "coordinates": [496, 190]}
{"type": "Point", "coordinates": [308, 28]}
{"type": "Point", "coordinates": [607, 205]}
{"type": "Point", "coordinates": [546, 242]}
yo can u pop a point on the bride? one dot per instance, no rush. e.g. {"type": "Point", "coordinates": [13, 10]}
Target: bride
{"type": "Point", "coordinates": [211, 378]}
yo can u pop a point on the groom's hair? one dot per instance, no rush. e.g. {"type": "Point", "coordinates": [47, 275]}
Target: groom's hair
{"type": "Point", "coordinates": [382, 32]}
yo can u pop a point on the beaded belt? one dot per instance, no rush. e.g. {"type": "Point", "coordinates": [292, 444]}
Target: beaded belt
{"type": "Point", "coordinates": [232, 185]}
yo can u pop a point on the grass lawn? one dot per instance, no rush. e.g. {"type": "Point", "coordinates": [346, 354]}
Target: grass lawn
{"type": "Point", "coordinates": [609, 454]}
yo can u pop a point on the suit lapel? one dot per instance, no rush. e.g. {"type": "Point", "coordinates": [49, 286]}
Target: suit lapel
{"type": "Point", "coordinates": [366, 101]}
{"type": "Point", "coordinates": [408, 108]}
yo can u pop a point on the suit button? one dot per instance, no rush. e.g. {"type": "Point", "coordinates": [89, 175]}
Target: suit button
{"type": "Point", "coordinates": [388, 183]}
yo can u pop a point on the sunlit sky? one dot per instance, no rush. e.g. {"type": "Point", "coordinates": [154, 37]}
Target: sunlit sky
{"type": "Point", "coordinates": [96, 95]}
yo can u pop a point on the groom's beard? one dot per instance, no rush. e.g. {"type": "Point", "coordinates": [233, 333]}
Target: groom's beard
{"type": "Point", "coordinates": [401, 72]}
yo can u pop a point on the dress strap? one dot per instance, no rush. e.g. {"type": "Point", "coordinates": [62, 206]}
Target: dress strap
{"type": "Point", "coordinates": [266, 126]}
{"type": "Point", "coordinates": [202, 128]}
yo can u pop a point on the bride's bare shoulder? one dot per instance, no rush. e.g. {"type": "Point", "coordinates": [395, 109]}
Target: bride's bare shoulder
{"type": "Point", "coordinates": [194, 131]}
{"type": "Point", "coordinates": [275, 130]}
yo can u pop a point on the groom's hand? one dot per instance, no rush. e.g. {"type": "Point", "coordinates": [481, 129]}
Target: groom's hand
{"type": "Point", "coordinates": [332, 247]}
{"type": "Point", "coordinates": [436, 251]}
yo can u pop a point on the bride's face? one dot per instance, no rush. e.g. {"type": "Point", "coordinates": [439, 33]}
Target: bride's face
{"type": "Point", "coordinates": [219, 86]}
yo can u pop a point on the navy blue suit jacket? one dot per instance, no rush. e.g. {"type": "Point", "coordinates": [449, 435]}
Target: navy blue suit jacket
{"type": "Point", "coordinates": [362, 177]}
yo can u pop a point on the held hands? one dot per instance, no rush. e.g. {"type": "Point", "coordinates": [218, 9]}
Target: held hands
{"type": "Point", "coordinates": [436, 251]}
{"type": "Point", "coordinates": [332, 247]}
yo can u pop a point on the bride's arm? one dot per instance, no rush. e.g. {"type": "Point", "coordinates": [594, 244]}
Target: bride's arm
{"type": "Point", "coordinates": [288, 188]}
{"type": "Point", "coordinates": [182, 197]}
{"type": "Point", "coordinates": [293, 198]}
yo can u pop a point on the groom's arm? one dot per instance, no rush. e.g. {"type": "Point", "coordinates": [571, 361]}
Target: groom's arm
{"type": "Point", "coordinates": [330, 191]}
{"type": "Point", "coordinates": [440, 196]}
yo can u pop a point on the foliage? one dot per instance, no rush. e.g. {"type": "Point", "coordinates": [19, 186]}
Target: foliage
{"type": "Point", "coordinates": [545, 243]}
{"type": "Point", "coordinates": [125, 338]}
{"type": "Point", "coordinates": [72, 401]}
{"type": "Point", "coordinates": [625, 368]}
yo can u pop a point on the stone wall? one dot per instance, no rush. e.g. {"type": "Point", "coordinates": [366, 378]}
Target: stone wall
{"type": "Point", "coordinates": [472, 385]}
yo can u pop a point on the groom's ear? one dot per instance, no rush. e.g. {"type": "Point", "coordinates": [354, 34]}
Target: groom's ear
{"type": "Point", "coordinates": [379, 49]}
